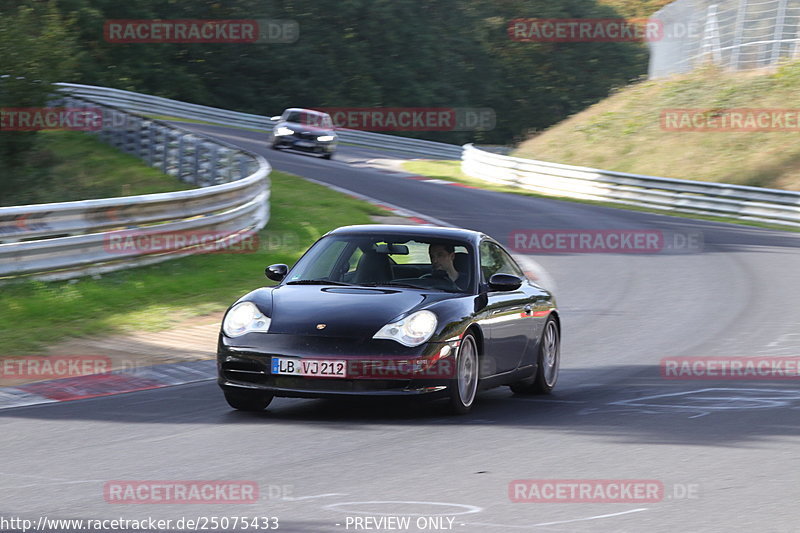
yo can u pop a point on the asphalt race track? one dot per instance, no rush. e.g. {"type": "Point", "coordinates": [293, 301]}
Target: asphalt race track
{"type": "Point", "coordinates": [724, 452]}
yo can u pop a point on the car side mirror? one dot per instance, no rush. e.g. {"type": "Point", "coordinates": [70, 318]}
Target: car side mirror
{"type": "Point", "coordinates": [276, 272]}
{"type": "Point", "coordinates": [504, 282]}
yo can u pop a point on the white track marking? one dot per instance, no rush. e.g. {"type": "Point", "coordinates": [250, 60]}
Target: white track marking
{"type": "Point", "coordinates": [301, 498]}
{"type": "Point", "coordinates": [543, 524]}
{"type": "Point", "coordinates": [470, 509]}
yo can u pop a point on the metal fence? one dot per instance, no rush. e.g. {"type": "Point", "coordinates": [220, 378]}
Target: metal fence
{"type": "Point", "coordinates": [154, 105]}
{"type": "Point", "coordinates": [720, 199]}
{"type": "Point", "coordinates": [70, 239]}
{"type": "Point", "coordinates": [734, 34]}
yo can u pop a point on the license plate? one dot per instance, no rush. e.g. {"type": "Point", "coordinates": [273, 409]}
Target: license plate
{"type": "Point", "coordinates": [327, 368]}
{"type": "Point", "coordinates": [304, 144]}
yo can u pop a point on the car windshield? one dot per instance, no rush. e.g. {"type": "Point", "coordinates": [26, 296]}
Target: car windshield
{"type": "Point", "coordinates": [318, 120]}
{"type": "Point", "coordinates": [387, 260]}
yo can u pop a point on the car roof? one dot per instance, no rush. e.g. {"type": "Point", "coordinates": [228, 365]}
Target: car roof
{"type": "Point", "coordinates": [304, 110]}
{"type": "Point", "coordinates": [411, 231]}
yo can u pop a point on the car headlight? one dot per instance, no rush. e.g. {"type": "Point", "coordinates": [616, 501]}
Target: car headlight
{"type": "Point", "coordinates": [283, 130]}
{"type": "Point", "coordinates": [325, 138]}
{"type": "Point", "coordinates": [245, 318]}
{"type": "Point", "coordinates": [411, 331]}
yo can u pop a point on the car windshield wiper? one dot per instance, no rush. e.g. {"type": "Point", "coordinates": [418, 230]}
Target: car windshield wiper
{"type": "Point", "coordinates": [397, 284]}
{"type": "Point", "coordinates": [318, 282]}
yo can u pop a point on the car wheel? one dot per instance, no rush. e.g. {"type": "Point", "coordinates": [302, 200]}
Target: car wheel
{"type": "Point", "coordinates": [464, 387]}
{"type": "Point", "coordinates": [276, 146]}
{"type": "Point", "coordinates": [548, 362]}
{"type": "Point", "coordinates": [247, 400]}
{"type": "Point", "coordinates": [327, 156]}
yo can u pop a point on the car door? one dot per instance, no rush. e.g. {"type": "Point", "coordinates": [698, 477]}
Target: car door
{"type": "Point", "coordinates": [507, 323]}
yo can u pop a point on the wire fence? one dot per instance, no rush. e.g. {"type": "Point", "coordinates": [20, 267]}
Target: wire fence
{"type": "Point", "coordinates": [733, 34]}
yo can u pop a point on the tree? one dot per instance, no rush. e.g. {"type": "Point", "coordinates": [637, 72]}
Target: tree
{"type": "Point", "coordinates": [36, 49]}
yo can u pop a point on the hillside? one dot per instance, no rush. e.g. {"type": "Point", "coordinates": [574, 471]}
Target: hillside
{"type": "Point", "coordinates": [635, 8]}
{"type": "Point", "coordinates": [624, 132]}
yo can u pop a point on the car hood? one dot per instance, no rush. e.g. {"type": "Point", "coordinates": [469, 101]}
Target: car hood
{"type": "Point", "coordinates": [354, 312]}
{"type": "Point", "coordinates": [294, 126]}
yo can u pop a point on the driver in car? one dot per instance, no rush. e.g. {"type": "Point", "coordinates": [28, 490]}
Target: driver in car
{"type": "Point", "coordinates": [442, 257]}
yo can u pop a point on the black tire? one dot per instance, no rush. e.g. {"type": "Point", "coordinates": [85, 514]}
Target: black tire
{"type": "Point", "coordinates": [276, 146]}
{"type": "Point", "coordinates": [464, 387]}
{"type": "Point", "coordinates": [547, 362]}
{"type": "Point", "coordinates": [327, 156]}
{"type": "Point", "coordinates": [248, 400]}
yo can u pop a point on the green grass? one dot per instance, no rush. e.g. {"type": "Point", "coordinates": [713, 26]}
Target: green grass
{"type": "Point", "coordinates": [67, 166]}
{"type": "Point", "coordinates": [624, 132]}
{"type": "Point", "coordinates": [451, 170]}
{"type": "Point", "coordinates": [34, 314]}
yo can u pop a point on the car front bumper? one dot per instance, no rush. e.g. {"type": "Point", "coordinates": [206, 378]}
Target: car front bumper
{"type": "Point", "coordinates": [306, 145]}
{"type": "Point", "coordinates": [374, 368]}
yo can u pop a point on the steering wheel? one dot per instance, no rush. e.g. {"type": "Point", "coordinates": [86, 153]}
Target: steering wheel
{"type": "Point", "coordinates": [441, 280]}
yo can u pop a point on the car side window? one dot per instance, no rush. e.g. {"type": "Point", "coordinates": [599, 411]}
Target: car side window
{"type": "Point", "coordinates": [494, 260]}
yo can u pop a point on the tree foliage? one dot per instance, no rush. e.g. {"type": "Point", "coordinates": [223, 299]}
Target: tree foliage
{"type": "Point", "coordinates": [37, 48]}
{"type": "Point", "coordinates": [365, 53]}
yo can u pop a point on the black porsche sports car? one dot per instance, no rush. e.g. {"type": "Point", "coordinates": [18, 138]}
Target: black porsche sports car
{"type": "Point", "coordinates": [378, 310]}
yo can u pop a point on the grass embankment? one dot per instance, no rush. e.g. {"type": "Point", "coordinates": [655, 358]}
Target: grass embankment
{"type": "Point", "coordinates": [34, 314]}
{"type": "Point", "coordinates": [624, 132]}
{"type": "Point", "coordinates": [66, 166]}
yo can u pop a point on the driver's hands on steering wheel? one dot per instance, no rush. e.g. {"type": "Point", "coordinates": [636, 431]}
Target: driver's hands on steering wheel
{"type": "Point", "coordinates": [441, 276]}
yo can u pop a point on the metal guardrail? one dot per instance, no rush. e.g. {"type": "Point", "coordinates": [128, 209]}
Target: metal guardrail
{"type": "Point", "coordinates": [716, 199]}
{"type": "Point", "coordinates": [70, 239]}
{"type": "Point", "coordinates": [154, 105]}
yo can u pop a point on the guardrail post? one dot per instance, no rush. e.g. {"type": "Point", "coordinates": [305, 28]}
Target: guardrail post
{"type": "Point", "coordinates": [152, 134]}
{"type": "Point", "coordinates": [180, 156]}
{"type": "Point", "coordinates": [213, 163]}
{"type": "Point", "coordinates": [165, 146]}
{"type": "Point", "coordinates": [118, 131]}
{"type": "Point", "coordinates": [196, 169]}
{"type": "Point", "coordinates": [131, 133]}
{"type": "Point", "coordinates": [105, 129]}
